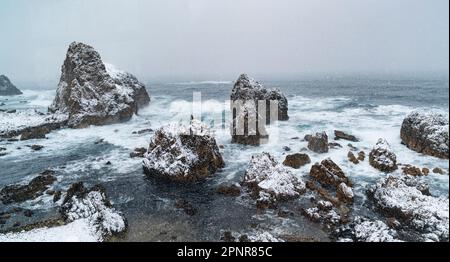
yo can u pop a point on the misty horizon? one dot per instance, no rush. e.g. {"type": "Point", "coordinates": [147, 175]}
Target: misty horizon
{"type": "Point", "coordinates": [218, 40]}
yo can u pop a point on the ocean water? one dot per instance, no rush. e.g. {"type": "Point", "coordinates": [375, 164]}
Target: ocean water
{"type": "Point", "coordinates": [370, 108]}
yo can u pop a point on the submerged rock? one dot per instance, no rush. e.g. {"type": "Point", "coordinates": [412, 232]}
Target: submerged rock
{"type": "Point", "coordinates": [407, 199]}
{"type": "Point", "coordinates": [427, 133]}
{"type": "Point", "coordinates": [184, 153]}
{"type": "Point", "coordinates": [23, 192]}
{"type": "Point", "coordinates": [93, 205]}
{"type": "Point", "coordinates": [438, 170]}
{"type": "Point", "coordinates": [382, 157]}
{"type": "Point", "coordinates": [318, 143]}
{"type": "Point", "coordinates": [342, 135]}
{"type": "Point", "coordinates": [297, 160]}
{"type": "Point", "coordinates": [7, 88]}
{"type": "Point", "coordinates": [270, 181]}
{"type": "Point", "coordinates": [229, 190]}
{"type": "Point", "coordinates": [93, 93]}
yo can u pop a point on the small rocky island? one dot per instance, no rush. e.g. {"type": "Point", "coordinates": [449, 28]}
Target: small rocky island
{"type": "Point", "coordinates": [92, 93]}
{"type": "Point", "coordinates": [248, 120]}
{"type": "Point", "coordinates": [7, 88]}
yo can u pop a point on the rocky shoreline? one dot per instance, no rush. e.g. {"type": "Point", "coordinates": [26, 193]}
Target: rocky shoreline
{"type": "Point", "coordinates": [92, 93]}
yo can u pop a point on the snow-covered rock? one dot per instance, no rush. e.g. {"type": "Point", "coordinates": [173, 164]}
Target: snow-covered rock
{"type": "Point", "coordinates": [252, 236]}
{"type": "Point", "coordinates": [344, 193]}
{"type": "Point", "coordinates": [246, 88]}
{"type": "Point", "coordinates": [382, 157]}
{"type": "Point", "coordinates": [93, 93]}
{"type": "Point", "coordinates": [30, 124]}
{"type": "Point", "coordinates": [94, 206]}
{"type": "Point", "coordinates": [407, 199]}
{"type": "Point", "coordinates": [427, 133]}
{"type": "Point", "coordinates": [7, 88]}
{"type": "Point", "coordinates": [323, 212]}
{"type": "Point", "coordinates": [270, 181]}
{"type": "Point", "coordinates": [183, 152]}
{"type": "Point", "coordinates": [366, 230]}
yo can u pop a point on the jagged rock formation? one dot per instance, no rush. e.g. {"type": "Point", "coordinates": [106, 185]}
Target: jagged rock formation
{"type": "Point", "coordinates": [407, 199]}
{"type": "Point", "coordinates": [247, 112]}
{"type": "Point", "coordinates": [184, 153]}
{"type": "Point", "coordinates": [270, 181]}
{"type": "Point", "coordinates": [7, 88]}
{"type": "Point", "coordinates": [382, 157]}
{"type": "Point", "coordinates": [328, 173]}
{"type": "Point", "coordinates": [92, 93]}
{"type": "Point", "coordinates": [427, 133]}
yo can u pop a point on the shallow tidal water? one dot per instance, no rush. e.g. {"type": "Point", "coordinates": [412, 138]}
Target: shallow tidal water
{"type": "Point", "coordinates": [367, 108]}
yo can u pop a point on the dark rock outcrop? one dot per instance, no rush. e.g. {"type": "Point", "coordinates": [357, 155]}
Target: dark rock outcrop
{"type": "Point", "coordinates": [328, 173]}
{"type": "Point", "coordinates": [184, 153]}
{"type": "Point", "coordinates": [318, 143]}
{"type": "Point", "coordinates": [138, 152]}
{"type": "Point", "coordinates": [297, 160]}
{"type": "Point", "coordinates": [229, 190]}
{"type": "Point", "coordinates": [92, 93]}
{"type": "Point", "coordinates": [35, 188]}
{"type": "Point", "coordinates": [427, 133]}
{"type": "Point", "coordinates": [342, 135]}
{"type": "Point", "coordinates": [7, 88]}
{"type": "Point", "coordinates": [382, 157]}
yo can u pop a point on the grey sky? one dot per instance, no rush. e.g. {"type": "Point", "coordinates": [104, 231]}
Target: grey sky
{"type": "Point", "coordinates": [218, 39]}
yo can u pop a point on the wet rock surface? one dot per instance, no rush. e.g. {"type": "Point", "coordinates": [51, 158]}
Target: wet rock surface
{"type": "Point", "coordinates": [318, 143]}
{"type": "Point", "coordinates": [296, 160]}
{"type": "Point", "coordinates": [20, 193]}
{"type": "Point", "coordinates": [342, 135]}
